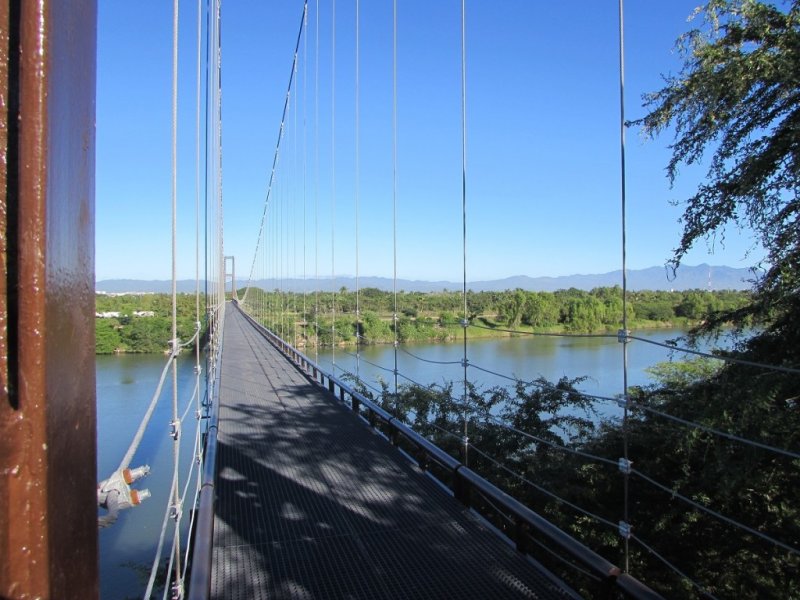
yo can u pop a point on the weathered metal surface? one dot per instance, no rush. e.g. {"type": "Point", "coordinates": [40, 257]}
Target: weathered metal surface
{"type": "Point", "coordinates": [48, 537]}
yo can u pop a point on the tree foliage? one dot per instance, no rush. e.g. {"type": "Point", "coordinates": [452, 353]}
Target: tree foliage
{"type": "Point", "coordinates": [142, 334]}
{"type": "Point", "coordinates": [737, 99]}
{"type": "Point", "coordinates": [436, 316]}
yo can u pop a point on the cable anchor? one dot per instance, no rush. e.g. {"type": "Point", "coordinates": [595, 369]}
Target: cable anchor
{"type": "Point", "coordinates": [623, 336]}
{"type": "Point", "coordinates": [625, 529]}
{"type": "Point", "coordinates": [115, 494]}
{"type": "Point", "coordinates": [175, 512]}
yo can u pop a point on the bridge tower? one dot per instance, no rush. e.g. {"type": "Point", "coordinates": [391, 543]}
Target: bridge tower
{"type": "Point", "coordinates": [231, 274]}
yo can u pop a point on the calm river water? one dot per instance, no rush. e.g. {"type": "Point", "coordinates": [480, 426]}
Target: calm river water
{"type": "Point", "coordinates": [600, 360]}
{"type": "Point", "coordinates": [126, 383]}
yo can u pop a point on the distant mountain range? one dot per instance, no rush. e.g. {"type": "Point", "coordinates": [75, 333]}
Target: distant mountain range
{"type": "Point", "coordinates": [654, 278]}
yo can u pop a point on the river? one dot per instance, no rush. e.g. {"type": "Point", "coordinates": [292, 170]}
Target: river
{"type": "Point", "coordinates": [599, 359]}
{"type": "Point", "coordinates": [126, 383]}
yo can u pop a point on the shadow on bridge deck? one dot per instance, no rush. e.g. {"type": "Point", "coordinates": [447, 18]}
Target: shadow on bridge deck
{"type": "Point", "coordinates": [311, 503]}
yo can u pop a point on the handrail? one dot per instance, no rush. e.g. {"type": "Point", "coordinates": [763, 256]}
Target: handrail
{"type": "Point", "coordinates": [525, 515]}
{"type": "Point", "coordinates": [200, 580]}
{"type": "Point", "coordinates": [464, 480]}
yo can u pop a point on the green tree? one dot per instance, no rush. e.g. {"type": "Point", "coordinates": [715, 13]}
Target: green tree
{"type": "Point", "coordinates": [737, 98]}
{"type": "Point", "coordinates": [107, 338]}
{"type": "Point", "coordinates": [540, 310]}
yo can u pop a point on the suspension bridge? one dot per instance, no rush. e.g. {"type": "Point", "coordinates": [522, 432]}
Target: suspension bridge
{"type": "Point", "coordinates": [305, 480]}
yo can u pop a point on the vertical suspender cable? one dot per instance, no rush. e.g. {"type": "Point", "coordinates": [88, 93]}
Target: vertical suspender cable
{"type": "Point", "coordinates": [197, 190]}
{"type": "Point", "coordinates": [220, 215]}
{"type": "Point", "coordinates": [316, 185]}
{"type": "Point", "coordinates": [357, 190]}
{"type": "Point", "coordinates": [281, 229]}
{"type": "Point", "coordinates": [218, 141]}
{"type": "Point", "coordinates": [209, 327]}
{"type": "Point", "coordinates": [394, 191]}
{"type": "Point", "coordinates": [624, 334]}
{"type": "Point", "coordinates": [464, 321]}
{"type": "Point", "coordinates": [333, 187]}
{"type": "Point", "coordinates": [293, 200]}
{"type": "Point", "coordinates": [175, 417]}
{"type": "Point", "coordinates": [198, 455]}
{"type": "Point", "coordinates": [305, 159]}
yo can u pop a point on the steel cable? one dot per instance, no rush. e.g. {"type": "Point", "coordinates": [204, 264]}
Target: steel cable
{"type": "Point", "coordinates": [669, 565]}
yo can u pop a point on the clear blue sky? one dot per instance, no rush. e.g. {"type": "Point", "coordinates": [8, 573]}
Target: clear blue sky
{"type": "Point", "coordinates": [543, 175]}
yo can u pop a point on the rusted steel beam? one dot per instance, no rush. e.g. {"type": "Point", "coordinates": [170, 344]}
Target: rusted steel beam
{"type": "Point", "coordinates": [48, 531]}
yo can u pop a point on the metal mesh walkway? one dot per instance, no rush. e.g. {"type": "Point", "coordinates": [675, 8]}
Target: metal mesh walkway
{"type": "Point", "coordinates": [311, 503]}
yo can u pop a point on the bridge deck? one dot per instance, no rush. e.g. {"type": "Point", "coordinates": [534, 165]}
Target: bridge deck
{"type": "Point", "coordinates": [312, 504]}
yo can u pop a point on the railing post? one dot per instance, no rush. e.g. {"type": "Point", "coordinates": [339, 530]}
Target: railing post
{"type": "Point", "coordinates": [330, 386]}
{"type": "Point", "coordinates": [355, 405]}
{"type": "Point", "coordinates": [423, 460]}
{"type": "Point", "coordinates": [461, 489]}
{"type": "Point", "coordinates": [521, 529]}
{"type": "Point", "coordinates": [341, 394]}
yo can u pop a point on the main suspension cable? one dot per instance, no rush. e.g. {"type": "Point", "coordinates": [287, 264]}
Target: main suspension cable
{"type": "Point", "coordinates": [277, 150]}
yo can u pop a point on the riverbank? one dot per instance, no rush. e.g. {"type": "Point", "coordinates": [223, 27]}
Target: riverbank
{"type": "Point", "coordinates": [142, 323]}
{"type": "Point", "coordinates": [427, 331]}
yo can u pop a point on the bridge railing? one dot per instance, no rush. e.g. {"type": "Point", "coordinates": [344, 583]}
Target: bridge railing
{"type": "Point", "coordinates": [203, 535]}
{"type": "Point", "coordinates": [464, 483]}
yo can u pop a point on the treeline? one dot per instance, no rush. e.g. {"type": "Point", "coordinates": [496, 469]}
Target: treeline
{"type": "Point", "coordinates": [309, 318]}
{"type": "Point", "coordinates": [142, 334]}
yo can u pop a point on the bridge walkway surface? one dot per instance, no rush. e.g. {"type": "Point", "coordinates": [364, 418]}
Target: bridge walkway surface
{"type": "Point", "coordinates": [312, 503]}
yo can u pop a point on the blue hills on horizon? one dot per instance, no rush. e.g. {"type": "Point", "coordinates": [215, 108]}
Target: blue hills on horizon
{"type": "Point", "coordinates": [704, 276]}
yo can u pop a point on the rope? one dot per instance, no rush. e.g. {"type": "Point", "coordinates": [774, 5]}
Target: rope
{"type": "Point", "coordinates": [464, 205]}
{"type": "Point", "coordinates": [277, 151]}
{"type": "Point", "coordinates": [316, 186]}
{"type": "Point", "coordinates": [198, 462]}
{"type": "Point", "coordinates": [358, 180]}
{"type": "Point", "coordinates": [672, 567]}
{"type": "Point", "coordinates": [560, 447]}
{"type": "Point", "coordinates": [429, 361]}
{"type": "Point", "coordinates": [624, 339]}
{"type": "Point", "coordinates": [137, 438]}
{"type": "Point", "coordinates": [727, 359]}
{"type": "Point", "coordinates": [175, 422]}
{"type": "Point", "coordinates": [672, 347]}
{"type": "Point", "coordinates": [394, 188]}
{"type": "Point", "coordinates": [537, 334]}
{"type": "Point", "coordinates": [376, 365]}
{"type": "Point", "coordinates": [154, 569]}
{"type": "Point", "coordinates": [594, 397]}
{"type": "Point", "coordinates": [718, 515]}
{"type": "Point", "coordinates": [545, 491]}
{"type": "Point", "coordinates": [305, 159]}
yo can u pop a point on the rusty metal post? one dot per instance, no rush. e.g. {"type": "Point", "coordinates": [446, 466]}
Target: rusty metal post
{"type": "Point", "coordinates": [48, 499]}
